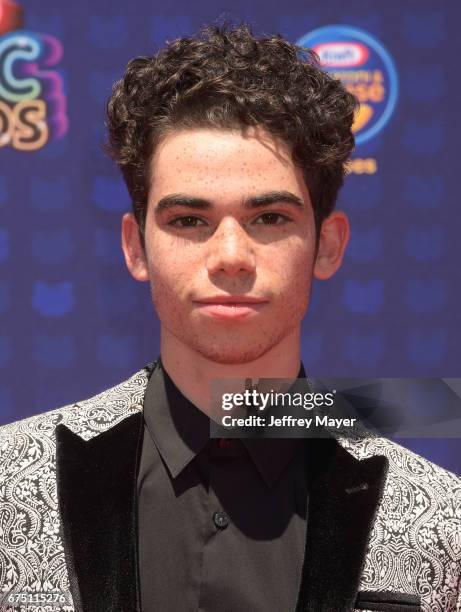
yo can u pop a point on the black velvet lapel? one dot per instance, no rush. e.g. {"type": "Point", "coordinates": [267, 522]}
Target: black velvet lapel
{"type": "Point", "coordinates": [343, 501]}
{"type": "Point", "coordinates": [96, 481]}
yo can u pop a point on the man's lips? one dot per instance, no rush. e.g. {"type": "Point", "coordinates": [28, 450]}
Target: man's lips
{"type": "Point", "coordinates": [230, 306]}
{"type": "Point", "coordinates": [230, 299]}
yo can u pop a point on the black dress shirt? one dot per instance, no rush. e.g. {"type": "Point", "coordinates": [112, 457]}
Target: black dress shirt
{"type": "Point", "coordinates": [221, 522]}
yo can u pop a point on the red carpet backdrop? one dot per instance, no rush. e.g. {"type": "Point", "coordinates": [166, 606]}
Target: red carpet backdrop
{"type": "Point", "coordinates": [73, 322]}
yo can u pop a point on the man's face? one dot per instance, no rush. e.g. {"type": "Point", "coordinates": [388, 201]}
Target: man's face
{"type": "Point", "coordinates": [229, 217]}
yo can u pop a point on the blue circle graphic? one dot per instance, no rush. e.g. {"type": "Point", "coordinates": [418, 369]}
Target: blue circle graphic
{"type": "Point", "coordinates": [377, 57]}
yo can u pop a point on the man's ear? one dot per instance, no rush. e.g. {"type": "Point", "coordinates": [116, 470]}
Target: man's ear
{"type": "Point", "coordinates": [334, 236]}
{"type": "Point", "coordinates": [135, 257]}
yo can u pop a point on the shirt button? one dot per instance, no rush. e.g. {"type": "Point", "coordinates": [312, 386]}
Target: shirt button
{"type": "Point", "coordinates": [221, 520]}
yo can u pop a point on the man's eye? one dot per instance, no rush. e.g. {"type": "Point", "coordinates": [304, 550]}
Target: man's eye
{"type": "Point", "coordinates": [272, 219]}
{"type": "Point", "coordinates": [186, 222]}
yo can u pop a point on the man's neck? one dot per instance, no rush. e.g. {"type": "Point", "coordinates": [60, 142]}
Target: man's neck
{"type": "Point", "coordinates": [193, 373]}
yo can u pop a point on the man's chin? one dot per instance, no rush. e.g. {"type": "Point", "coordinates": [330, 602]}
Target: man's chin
{"type": "Point", "coordinates": [232, 355]}
{"type": "Point", "coordinates": [227, 347]}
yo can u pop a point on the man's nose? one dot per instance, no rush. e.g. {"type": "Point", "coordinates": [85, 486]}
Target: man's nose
{"type": "Point", "coordinates": [230, 250]}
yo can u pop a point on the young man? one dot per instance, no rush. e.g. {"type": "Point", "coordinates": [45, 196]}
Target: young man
{"type": "Point", "coordinates": [233, 149]}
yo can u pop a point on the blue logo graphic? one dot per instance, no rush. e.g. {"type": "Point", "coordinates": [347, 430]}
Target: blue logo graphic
{"type": "Point", "coordinates": [366, 69]}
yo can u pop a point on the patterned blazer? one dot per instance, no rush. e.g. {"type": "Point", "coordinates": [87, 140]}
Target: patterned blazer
{"type": "Point", "coordinates": [383, 533]}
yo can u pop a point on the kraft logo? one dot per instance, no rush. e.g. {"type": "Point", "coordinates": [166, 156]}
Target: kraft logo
{"type": "Point", "coordinates": [366, 69]}
{"type": "Point", "coordinates": [342, 54]}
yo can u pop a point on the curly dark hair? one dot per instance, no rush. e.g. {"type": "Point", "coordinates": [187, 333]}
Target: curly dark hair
{"type": "Point", "coordinates": [227, 78]}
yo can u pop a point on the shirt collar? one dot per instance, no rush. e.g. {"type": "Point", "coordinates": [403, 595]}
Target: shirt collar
{"type": "Point", "coordinates": [180, 430]}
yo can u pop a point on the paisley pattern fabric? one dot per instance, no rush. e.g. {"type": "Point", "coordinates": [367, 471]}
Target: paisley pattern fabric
{"type": "Point", "coordinates": [415, 544]}
{"type": "Point", "coordinates": [31, 547]}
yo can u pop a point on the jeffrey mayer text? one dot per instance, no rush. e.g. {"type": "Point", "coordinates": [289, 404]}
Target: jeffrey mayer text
{"type": "Point", "coordinates": [286, 421]}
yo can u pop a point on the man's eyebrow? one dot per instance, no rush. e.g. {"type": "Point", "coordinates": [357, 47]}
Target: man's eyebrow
{"type": "Point", "coordinates": [177, 199]}
{"type": "Point", "coordinates": [274, 197]}
{"type": "Point", "coordinates": [258, 201]}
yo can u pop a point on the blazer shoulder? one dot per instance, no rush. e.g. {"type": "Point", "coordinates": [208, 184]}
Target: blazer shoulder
{"type": "Point", "coordinates": [87, 417]}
